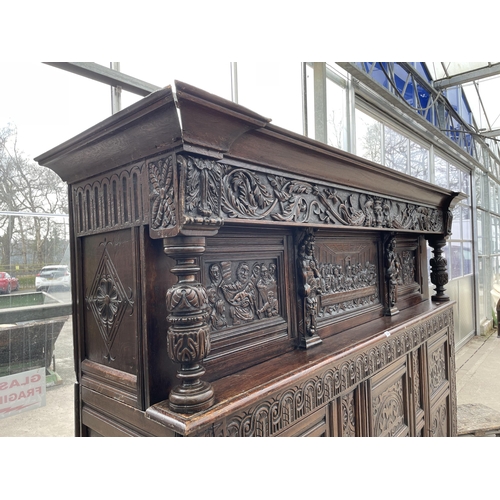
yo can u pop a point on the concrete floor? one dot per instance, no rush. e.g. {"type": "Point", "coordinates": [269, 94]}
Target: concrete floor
{"type": "Point", "coordinates": [478, 383]}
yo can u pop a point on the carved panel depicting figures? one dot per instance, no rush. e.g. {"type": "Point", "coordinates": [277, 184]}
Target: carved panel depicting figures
{"type": "Point", "coordinates": [339, 279]}
{"type": "Point", "coordinates": [248, 296]}
{"type": "Point", "coordinates": [214, 189]}
{"type": "Point", "coordinates": [241, 292]}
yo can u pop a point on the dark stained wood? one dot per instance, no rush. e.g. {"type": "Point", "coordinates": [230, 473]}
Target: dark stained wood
{"type": "Point", "coordinates": [232, 278]}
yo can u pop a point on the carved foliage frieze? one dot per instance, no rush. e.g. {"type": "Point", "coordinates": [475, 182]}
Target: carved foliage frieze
{"type": "Point", "coordinates": [241, 292]}
{"type": "Point", "coordinates": [276, 413]}
{"type": "Point", "coordinates": [218, 190]}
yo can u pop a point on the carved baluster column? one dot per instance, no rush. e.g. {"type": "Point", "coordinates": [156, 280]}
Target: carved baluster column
{"type": "Point", "coordinates": [439, 269]}
{"type": "Point", "coordinates": [188, 337]}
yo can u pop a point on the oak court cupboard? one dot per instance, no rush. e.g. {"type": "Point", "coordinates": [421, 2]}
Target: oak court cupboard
{"type": "Point", "coordinates": [232, 278]}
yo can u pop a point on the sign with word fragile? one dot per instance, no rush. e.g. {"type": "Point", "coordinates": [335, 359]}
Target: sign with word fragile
{"type": "Point", "coordinates": [21, 392]}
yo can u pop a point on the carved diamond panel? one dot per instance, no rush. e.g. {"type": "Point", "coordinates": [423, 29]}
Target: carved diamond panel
{"type": "Point", "coordinates": [108, 300]}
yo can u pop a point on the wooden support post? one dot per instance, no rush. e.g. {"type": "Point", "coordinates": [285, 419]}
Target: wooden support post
{"type": "Point", "coordinates": [188, 337]}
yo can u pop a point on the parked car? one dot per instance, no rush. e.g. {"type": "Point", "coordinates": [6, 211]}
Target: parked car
{"type": "Point", "coordinates": [8, 283]}
{"type": "Point", "coordinates": [52, 277]}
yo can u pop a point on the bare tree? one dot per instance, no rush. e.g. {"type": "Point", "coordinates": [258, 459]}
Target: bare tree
{"type": "Point", "coordinates": [26, 188]}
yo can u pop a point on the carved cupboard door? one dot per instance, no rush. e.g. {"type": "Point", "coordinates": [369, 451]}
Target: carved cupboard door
{"type": "Point", "coordinates": [389, 401]}
{"type": "Point", "coordinates": [440, 424]}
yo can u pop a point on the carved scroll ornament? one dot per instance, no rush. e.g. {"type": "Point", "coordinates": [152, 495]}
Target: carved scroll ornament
{"type": "Point", "coordinates": [215, 190]}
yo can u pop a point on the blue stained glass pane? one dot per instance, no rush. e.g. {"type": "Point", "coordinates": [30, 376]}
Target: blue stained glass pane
{"type": "Point", "coordinates": [452, 96]}
{"type": "Point", "coordinates": [378, 73]}
{"type": "Point", "coordinates": [401, 80]}
{"type": "Point", "coordinates": [422, 69]}
{"type": "Point", "coordinates": [465, 111]}
{"type": "Point", "coordinates": [423, 98]}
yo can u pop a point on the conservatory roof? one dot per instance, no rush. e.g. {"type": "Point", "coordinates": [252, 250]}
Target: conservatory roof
{"type": "Point", "coordinates": [481, 84]}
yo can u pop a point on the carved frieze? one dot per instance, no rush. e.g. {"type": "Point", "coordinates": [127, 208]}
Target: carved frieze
{"type": "Point", "coordinates": [217, 190]}
{"type": "Point", "coordinates": [241, 292]}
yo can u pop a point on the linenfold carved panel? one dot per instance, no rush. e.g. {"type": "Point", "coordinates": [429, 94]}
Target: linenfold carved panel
{"type": "Point", "coordinates": [218, 190]}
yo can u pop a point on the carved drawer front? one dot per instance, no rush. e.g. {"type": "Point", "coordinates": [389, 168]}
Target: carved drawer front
{"type": "Point", "coordinates": [315, 425]}
{"type": "Point", "coordinates": [389, 401]}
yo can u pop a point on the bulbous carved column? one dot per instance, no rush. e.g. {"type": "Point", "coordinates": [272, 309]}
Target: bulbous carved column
{"type": "Point", "coordinates": [188, 336]}
{"type": "Point", "coordinates": [439, 269]}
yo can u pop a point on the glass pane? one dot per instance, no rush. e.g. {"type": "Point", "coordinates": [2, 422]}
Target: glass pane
{"type": "Point", "coordinates": [493, 198]}
{"type": "Point", "coordinates": [466, 223]}
{"type": "Point", "coordinates": [274, 90]}
{"type": "Point", "coordinates": [441, 171]}
{"type": "Point", "coordinates": [465, 185]}
{"type": "Point", "coordinates": [480, 226]}
{"type": "Point", "coordinates": [456, 232]}
{"type": "Point", "coordinates": [368, 137]}
{"type": "Point", "coordinates": [467, 257]}
{"type": "Point", "coordinates": [454, 178]}
{"type": "Point", "coordinates": [419, 161]}
{"type": "Point", "coordinates": [456, 260]}
{"type": "Point", "coordinates": [335, 100]}
{"type": "Point", "coordinates": [478, 185]}
{"type": "Point", "coordinates": [212, 76]}
{"type": "Point", "coordinates": [396, 150]}
{"type": "Point", "coordinates": [311, 129]}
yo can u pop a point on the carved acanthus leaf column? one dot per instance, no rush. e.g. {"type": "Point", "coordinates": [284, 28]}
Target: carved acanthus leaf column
{"type": "Point", "coordinates": [188, 336]}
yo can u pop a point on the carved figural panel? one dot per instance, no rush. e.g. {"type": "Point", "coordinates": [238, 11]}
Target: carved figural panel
{"type": "Point", "coordinates": [242, 292]}
{"type": "Point", "coordinates": [110, 312]}
{"type": "Point", "coordinates": [215, 190]}
{"type": "Point", "coordinates": [339, 276]}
